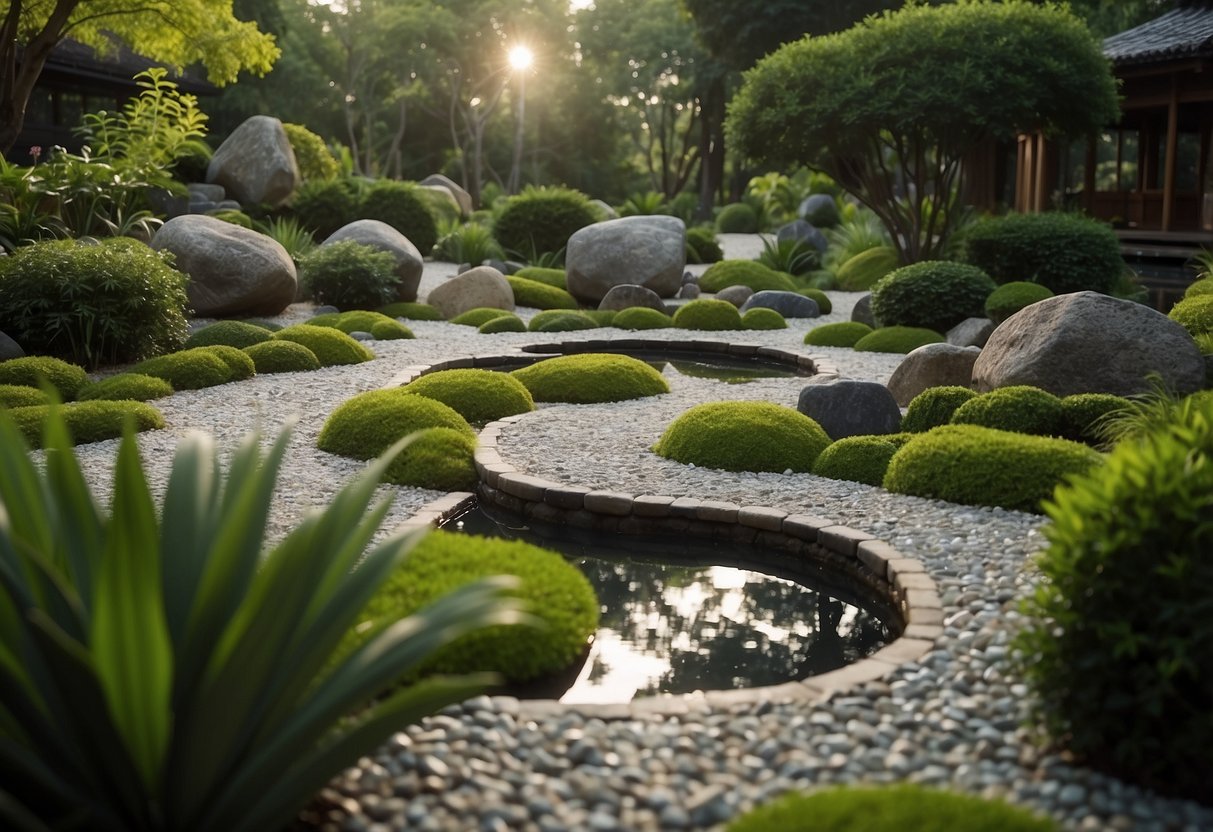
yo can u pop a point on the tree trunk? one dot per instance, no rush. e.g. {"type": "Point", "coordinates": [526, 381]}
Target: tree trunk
{"type": "Point", "coordinates": [711, 148]}
{"type": "Point", "coordinates": [18, 75]}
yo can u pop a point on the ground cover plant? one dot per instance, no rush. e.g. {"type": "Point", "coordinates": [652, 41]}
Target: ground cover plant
{"type": "Point", "coordinates": [479, 316]}
{"type": "Point", "coordinates": [508, 322]}
{"type": "Point", "coordinates": [91, 421]}
{"type": "Point", "coordinates": [1019, 408]}
{"type": "Point", "coordinates": [743, 436]}
{"type": "Point", "coordinates": [282, 357]}
{"type": "Point", "coordinates": [126, 386]}
{"type": "Point", "coordinates": [934, 407]}
{"type": "Point", "coordinates": [561, 320]}
{"type": "Point", "coordinates": [35, 370]}
{"type": "Point", "coordinates": [539, 295]}
{"type": "Point", "coordinates": [641, 317]}
{"type": "Point", "coordinates": [840, 334]}
{"type": "Point", "coordinates": [192, 369]}
{"type": "Point", "coordinates": [330, 346]}
{"type": "Point", "coordinates": [230, 333]}
{"type": "Point", "coordinates": [860, 272]}
{"type": "Point", "coordinates": [708, 314]}
{"type": "Point", "coordinates": [18, 395]}
{"type": "Point", "coordinates": [480, 396]}
{"type": "Point", "coordinates": [591, 377]}
{"type": "Point", "coordinates": [1009, 298]}
{"type": "Point", "coordinates": [760, 318]}
{"type": "Point", "coordinates": [349, 275]}
{"type": "Point", "coordinates": [744, 273]}
{"type": "Point", "coordinates": [859, 458]}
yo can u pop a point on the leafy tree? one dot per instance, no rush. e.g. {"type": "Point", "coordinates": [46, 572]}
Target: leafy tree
{"type": "Point", "coordinates": [891, 107]}
{"type": "Point", "coordinates": [1109, 17]}
{"type": "Point", "coordinates": [180, 32]}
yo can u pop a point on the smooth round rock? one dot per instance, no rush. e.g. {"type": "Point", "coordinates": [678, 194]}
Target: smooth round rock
{"type": "Point", "coordinates": [647, 251]}
{"type": "Point", "coordinates": [481, 286]}
{"type": "Point", "coordinates": [845, 407]}
{"type": "Point", "coordinates": [788, 304]}
{"type": "Point", "coordinates": [627, 295]}
{"type": "Point", "coordinates": [256, 164]}
{"type": "Point", "coordinates": [383, 237]}
{"type": "Point", "coordinates": [736, 295]}
{"type": "Point", "coordinates": [932, 365]}
{"type": "Point", "coordinates": [861, 312]}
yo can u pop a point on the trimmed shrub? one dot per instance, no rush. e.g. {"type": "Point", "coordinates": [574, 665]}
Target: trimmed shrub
{"type": "Point", "coordinates": [238, 362]}
{"type": "Point", "coordinates": [702, 246]}
{"type": "Point", "coordinates": [1009, 298]}
{"type": "Point", "coordinates": [1120, 651]}
{"type": "Point", "coordinates": [857, 459]}
{"type": "Point", "coordinates": [479, 316]}
{"type": "Point", "coordinates": [590, 378]}
{"type": "Point", "coordinates": [188, 369]}
{"type": "Point", "coordinates": [538, 295]}
{"type": "Point", "coordinates": [411, 311]}
{"type": "Point", "coordinates": [401, 205]}
{"type": "Point", "coordinates": [841, 334]}
{"type": "Point", "coordinates": [437, 458]}
{"type": "Point", "coordinates": [554, 591]}
{"type": "Point", "coordinates": [551, 277]}
{"type": "Point", "coordinates": [479, 396]}
{"type": "Point", "coordinates": [92, 303]}
{"type": "Point", "coordinates": [821, 298]}
{"type": "Point", "coordinates": [228, 333]}
{"type": "Point", "coordinates": [1083, 415]}
{"type": "Point", "coordinates": [268, 326]}
{"type": "Point", "coordinates": [36, 370]}
{"type": "Point", "coordinates": [737, 218]}
{"type": "Point", "coordinates": [902, 339]}
{"type": "Point", "coordinates": [1063, 252]}
{"type": "Point", "coordinates": [601, 317]}
{"type": "Point", "coordinates": [282, 357]}
{"type": "Point", "coordinates": [934, 407]}
{"type": "Point", "coordinates": [933, 294]}
{"type": "Point", "coordinates": [1204, 343]}
{"type": "Point", "coordinates": [540, 221]}
{"type": "Point", "coordinates": [1194, 313]}
{"type": "Point", "coordinates": [972, 465]}
{"type": "Point", "coordinates": [366, 321]}
{"type": "Point", "coordinates": [744, 436]}
{"type": "Point", "coordinates": [312, 155]}
{"type": "Point", "coordinates": [330, 346]}
{"type": "Point", "coordinates": [134, 387]}
{"type": "Point", "coordinates": [1204, 286]}
{"type": "Point", "coordinates": [561, 320]}
{"type": "Point", "coordinates": [900, 808]}
{"type": "Point", "coordinates": [472, 243]}
{"type": "Point", "coordinates": [641, 317]}
{"type": "Point", "coordinates": [759, 318]}
{"type": "Point", "coordinates": [87, 421]}
{"type": "Point", "coordinates": [750, 273]}
{"type": "Point", "coordinates": [504, 323]}
{"type": "Point", "coordinates": [350, 275]}
{"type": "Point", "coordinates": [861, 272]}
{"type": "Point", "coordinates": [707, 314]}
{"type": "Point", "coordinates": [1018, 409]}
{"type": "Point", "coordinates": [390, 330]}
{"type": "Point", "coordinates": [18, 395]}
{"type": "Point", "coordinates": [323, 206]}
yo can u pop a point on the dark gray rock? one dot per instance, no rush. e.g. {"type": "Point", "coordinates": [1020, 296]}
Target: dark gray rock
{"type": "Point", "coordinates": [689, 291]}
{"type": "Point", "coordinates": [804, 232]}
{"type": "Point", "coordinates": [205, 191]}
{"type": "Point", "coordinates": [381, 236]}
{"type": "Point", "coordinates": [788, 304]}
{"type": "Point", "coordinates": [862, 311]}
{"type": "Point", "coordinates": [971, 332]}
{"type": "Point", "coordinates": [255, 164]}
{"type": "Point", "coordinates": [844, 407]}
{"type": "Point", "coordinates": [736, 295]}
{"type": "Point", "coordinates": [627, 295]}
{"type": "Point", "coordinates": [645, 251]}
{"type": "Point", "coordinates": [819, 209]}
{"type": "Point", "coordinates": [9, 348]}
{"type": "Point", "coordinates": [932, 365]}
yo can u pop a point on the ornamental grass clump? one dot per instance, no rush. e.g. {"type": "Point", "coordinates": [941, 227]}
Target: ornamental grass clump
{"type": "Point", "coordinates": [1020, 409]}
{"type": "Point", "coordinates": [933, 294]}
{"type": "Point", "coordinates": [589, 378]}
{"type": "Point", "coordinates": [36, 370]}
{"type": "Point", "coordinates": [134, 387]}
{"type": "Point", "coordinates": [332, 347]}
{"type": "Point", "coordinates": [709, 315]}
{"type": "Point", "coordinates": [750, 273]}
{"type": "Point", "coordinates": [744, 436]}
{"type": "Point", "coordinates": [480, 396]}
{"type": "Point", "coordinates": [841, 334]}
{"type": "Point", "coordinates": [282, 357]}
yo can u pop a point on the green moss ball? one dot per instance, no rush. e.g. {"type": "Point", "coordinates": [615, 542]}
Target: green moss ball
{"type": "Point", "coordinates": [824, 304]}
{"type": "Point", "coordinates": [759, 318]}
{"type": "Point", "coordinates": [708, 314]}
{"type": "Point", "coordinates": [861, 272]}
{"type": "Point", "coordinates": [1194, 313]}
{"type": "Point", "coordinates": [506, 323]}
{"type": "Point", "coordinates": [479, 396]}
{"type": "Point", "coordinates": [35, 370]}
{"type": "Point", "coordinates": [932, 294]}
{"type": "Point", "coordinates": [1019, 409]}
{"type": "Point", "coordinates": [750, 273]}
{"type": "Point", "coordinates": [237, 361]}
{"type": "Point", "coordinates": [561, 320]}
{"type": "Point", "coordinates": [479, 316]}
{"type": "Point", "coordinates": [974, 465]}
{"type": "Point", "coordinates": [411, 311]}
{"type": "Point", "coordinates": [590, 378]}
{"type": "Point", "coordinates": [134, 387]}
{"type": "Point", "coordinates": [282, 357]}
{"type": "Point", "coordinates": [601, 317]}
{"type": "Point", "coordinates": [841, 334]}
{"type": "Point", "coordinates": [1084, 415]}
{"type": "Point", "coordinates": [268, 326]}
{"type": "Point", "coordinates": [188, 369]}
{"type": "Point", "coordinates": [360, 320]}
{"type": "Point", "coordinates": [87, 421]}
{"type": "Point", "coordinates": [1009, 298]}
{"type": "Point", "coordinates": [857, 459]}
{"type": "Point", "coordinates": [934, 407]}
{"type": "Point", "coordinates": [536, 295]}
{"type": "Point", "coordinates": [900, 339]}
{"type": "Point", "coordinates": [1204, 286]}
{"type": "Point", "coordinates": [437, 458]}
{"type": "Point", "coordinates": [737, 218]}
{"type": "Point", "coordinates": [330, 346]}
{"type": "Point", "coordinates": [641, 317]}
{"type": "Point", "coordinates": [228, 333]}
{"type": "Point", "coordinates": [391, 330]}
{"type": "Point", "coordinates": [551, 277]}
{"type": "Point", "coordinates": [18, 395]}
{"type": "Point", "coordinates": [744, 436]}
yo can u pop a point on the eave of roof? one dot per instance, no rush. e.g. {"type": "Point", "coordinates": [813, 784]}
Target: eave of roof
{"type": "Point", "coordinates": [1186, 32]}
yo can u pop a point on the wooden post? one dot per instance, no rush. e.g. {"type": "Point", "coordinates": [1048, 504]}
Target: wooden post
{"type": "Point", "coordinates": [1039, 191]}
{"type": "Point", "coordinates": [1168, 182]}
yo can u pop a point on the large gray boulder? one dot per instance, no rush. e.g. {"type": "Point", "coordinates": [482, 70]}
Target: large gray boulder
{"type": "Point", "coordinates": [803, 232]}
{"type": "Point", "coordinates": [845, 407]}
{"type": "Point", "coordinates": [788, 304]}
{"type": "Point", "coordinates": [462, 198]}
{"type": "Point", "coordinates": [231, 270]}
{"type": "Point", "coordinates": [1086, 342]}
{"type": "Point", "coordinates": [627, 295]}
{"type": "Point", "coordinates": [9, 348]}
{"type": "Point", "coordinates": [861, 312]}
{"type": "Point", "coordinates": [645, 251]}
{"type": "Point", "coordinates": [255, 164]}
{"type": "Point", "coordinates": [481, 286]}
{"type": "Point", "coordinates": [381, 236]}
{"type": "Point", "coordinates": [932, 365]}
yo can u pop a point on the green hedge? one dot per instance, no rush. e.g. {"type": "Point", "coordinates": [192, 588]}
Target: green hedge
{"type": "Point", "coordinates": [1064, 252]}
{"type": "Point", "coordinates": [744, 436]}
{"type": "Point", "coordinates": [590, 378]}
{"type": "Point", "coordinates": [402, 206]}
{"type": "Point", "coordinates": [933, 294]}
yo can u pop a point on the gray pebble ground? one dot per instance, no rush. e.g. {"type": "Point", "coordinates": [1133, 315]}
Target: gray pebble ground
{"type": "Point", "coordinates": [952, 719]}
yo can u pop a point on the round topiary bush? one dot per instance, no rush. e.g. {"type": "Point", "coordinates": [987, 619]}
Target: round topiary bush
{"type": "Point", "coordinates": [18, 395]}
{"type": "Point", "coordinates": [87, 421]}
{"type": "Point", "coordinates": [503, 323]}
{"type": "Point", "coordinates": [1009, 298]}
{"type": "Point", "coordinates": [390, 330]}
{"type": "Point", "coordinates": [707, 314]}
{"type": "Point", "coordinates": [349, 275]}
{"type": "Point", "coordinates": [411, 311]}
{"type": "Point", "coordinates": [857, 459]}
{"type": "Point", "coordinates": [744, 436]}
{"type": "Point", "coordinates": [282, 357]}
{"type": "Point", "coordinates": [841, 334]}
{"type": "Point", "coordinates": [824, 304]}
{"type": "Point", "coordinates": [1194, 313]}
{"type": "Point", "coordinates": [702, 246]}
{"type": "Point", "coordinates": [759, 318]}
{"type": "Point", "coordinates": [188, 369]}
{"type": "Point", "coordinates": [538, 295]}
{"type": "Point", "coordinates": [561, 320]}
{"type": "Point", "coordinates": [401, 206]}
{"type": "Point", "coordinates": [312, 155]}
{"type": "Point", "coordinates": [93, 302]}
{"type": "Point", "coordinates": [553, 589]}
{"type": "Point", "coordinates": [540, 221]}
{"type": "Point", "coordinates": [238, 362]}
{"type": "Point", "coordinates": [323, 206]}
{"type": "Point", "coordinates": [901, 339]}
{"type": "Point", "coordinates": [589, 378]}
{"type": "Point", "coordinates": [901, 808]}
{"type": "Point", "coordinates": [479, 396]}
{"type": "Point", "coordinates": [934, 407]}
{"type": "Point", "coordinates": [750, 273]}
{"type": "Point", "coordinates": [380, 326]}
{"type": "Point", "coordinates": [36, 370]}
{"type": "Point", "coordinates": [972, 465]}
{"type": "Point", "coordinates": [1204, 286]}
{"type": "Point", "coordinates": [1119, 647]}
{"type": "Point", "coordinates": [1018, 409]}
{"type": "Point", "coordinates": [737, 218]}
{"type": "Point", "coordinates": [641, 317]}
{"type": "Point", "coordinates": [1084, 415]}
{"type": "Point", "coordinates": [861, 272]}
{"type": "Point", "coordinates": [601, 317]}
{"type": "Point", "coordinates": [441, 459]}
{"type": "Point", "coordinates": [933, 294]}
{"type": "Point", "coordinates": [330, 346]}
{"type": "Point", "coordinates": [550, 277]}
{"type": "Point", "coordinates": [479, 316]}
{"type": "Point", "coordinates": [228, 333]}
{"type": "Point", "coordinates": [1063, 252]}
{"type": "Point", "coordinates": [133, 387]}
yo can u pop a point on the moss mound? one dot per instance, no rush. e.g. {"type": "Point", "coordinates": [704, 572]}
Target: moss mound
{"type": "Point", "coordinates": [934, 407]}
{"type": "Point", "coordinates": [702, 246]}
{"type": "Point", "coordinates": [18, 395]}
{"type": "Point", "coordinates": [134, 387]}
{"type": "Point", "coordinates": [708, 314]}
{"type": "Point", "coordinates": [641, 317]}
{"type": "Point", "coordinates": [87, 421]}
{"type": "Point", "coordinates": [759, 318]}
{"type": "Point", "coordinates": [538, 295]}
{"type": "Point", "coordinates": [561, 320]}
{"type": "Point", "coordinates": [858, 458]}
{"type": "Point", "coordinates": [437, 458]}
{"type": "Point", "coordinates": [1009, 298]}
{"type": "Point", "coordinates": [933, 294]}
{"type": "Point", "coordinates": [188, 369]}
{"type": "Point", "coordinates": [980, 466]}
{"type": "Point", "coordinates": [1083, 415]}
{"type": "Point", "coordinates": [860, 273]}
{"type": "Point", "coordinates": [477, 395]}
{"type": "Point", "coordinates": [1204, 286]}
{"type": "Point", "coordinates": [744, 436]}
{"type": "Point", "coordinates": [479, 316]}
{"type": "Point", "coordinates": [411, 311]}
{"type": "Point", "coordinates": [750, 273]}
{"type": "Point", "coordinates": [602, 317]}
{"type": "Point", "coordinates": [1194, 313]}
{"type": "Point", "coordinates": [330, 346]}
{"type": "Point", "coordinates": [902, 339]}
{"type": "Point", "coordinates": [282, 357]}
{"type": "Point", "coordinates": [1019, 409]}
{"type": "Point", "coordinates": [824, 304]}
{"type": "Point", "coordinates": [540, 221]}
{"type": "Point", "coordinates": [504, 323]}
{"type": "Point", "coordinates": [737, 218]}
{"type": "Point", "coordinates": [539, 274]}
{"type": "Point", "coordinates": [841, 334]}
{"type": "Point", "coordinates": [228, 333]}
{"type": "Point", "coordinates": [35, 370]}
{"type": "Point", "coordinates": [591, 377]}
{"type": "Point", "coordinates": [376, 324]}
{"type": "Point", "coordinates": [238, 362]}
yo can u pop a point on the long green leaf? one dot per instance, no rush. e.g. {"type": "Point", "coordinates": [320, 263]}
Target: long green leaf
{"type": "Point", "coordinates": [16, 818]}
{"type": "Point", "coordinates": [24, 504]}
{"type": "Point", "coordinates": [79, 526]}
{"type": "Point", "coordinates": [23, 771]}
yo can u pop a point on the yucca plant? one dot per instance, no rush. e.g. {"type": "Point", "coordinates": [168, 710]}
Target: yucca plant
{"type": "Point", "coordinates": [471, 243]}
{"type": "Point", "coordinates": [158, 671]}
{"type": "Point", "coordinates": [794, 257]}
{"type": "Point", "coordinates": [854, 236]}
{"type": "Point", "coordinates": [289, 233]}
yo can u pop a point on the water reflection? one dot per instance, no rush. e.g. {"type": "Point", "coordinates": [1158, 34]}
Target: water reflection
{"type": "Point", "coordinates": [732, 372]}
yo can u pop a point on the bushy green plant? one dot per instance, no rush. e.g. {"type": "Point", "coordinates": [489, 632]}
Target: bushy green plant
{"type": "Point", "coordinates": [350, 275]}
{"type": "Point", "coordinates": [479, 316]}
{"type": "Point", "coordinates": [862, 271]}
{"type": "Point", "coordinates": [92, 303]}
{"type": "Point", "coordinates": [760, 318]}
{"type": "Point", "coordinates": [589, 378]}
{"type": "Point", "coordinates": [1204, 342]}
{"type": "Point", "coordinates": [744, 273]}
{"type": "Point", "coordinates": [1020, 409]}
{"type": "Point", "coordinates": [468, 243]}
{"type": "Point", "coordinates": [230, 333]}
{"type": "Point", "coordinates": [900, 808]}
{"type": "Point", "coordinates": [134, 387]}
{"type": "Point", "coordinates": [737, 218]}
{"type": "Point", "coordinates": [18, 395]}
{"type": "Point", "coordinates": [401, 205]}
{"type": "Point", "coordinates": [900, 339]}
{"type": "Point", "coordinates": [204, 661]}
{"type": "Point", "coordinates": [312, 155]}
{"type": "Point", "coordinates": [480, 396]}
{"type": "Point", "coordinates": [86, 422]}
{"type": "Point", "coordinates": [540, 221]}
{"type": "Point", "coordinates": [934, 294]}
{"type": "Point", "coordinates": [536, 295]}
{"type": "Point", "coordinates": [36, 370]}
{"type": "Point", "coordinates": [841, 334]}
{"type": "Point", "coordinates": [239, 365]}
{"type": "Point", "coordinates": [643, 204]}
{"type": "Point", "coordinates": [289, 233]}
{"type": "Point", "coordinates": [192, 369]}
{"type": "Point", "coordinates": [794, 257]}
{"type": "Point", "coordinates": [504, 323]}
{"type": "Point", "coordinates": [1204, 286]}
{"type": "Point", "coordinates": [858, 458]}
{"type": "Point", "coordinates": [411, 311]}
{"type": "Point", "coordinates": [1063, 252]}
{"type": "Point", "coordinates": [330, 346]}
{"type": "Point", "coordinates": [641, 317]}
{"type": "Point", "coordinates": [743, 436]}
{"type": "Point", "coordinates": [1194, 313]}
{"type": "Point", "coordinates": [702, 246]}
{"type": "Point", "coordinates": [552, 277]}
{"type": "Point", "coordinates": [854, 236]}
{"type": "Point", "coordinates": [377, 324]}
{"type": "Point", "coordinates": [934, 407]}
{"type": "Point", "coordinates": [282, 357]}
{"type": "Point", "coordinates": [1084, 415]}
{"type": "Point", "coordinates": [324, 205]}
{"type": "Point", "coordinates": [974, 465]}
{"type": "Point", "coordinates": [824, 304]}
{"type": "Point", "coordinates": [1009, 298]}
{"type": "Point", "coordinates": [231, 215]}
{"type": "Point", "coordinates": [561, 320]}
{"type": "Point", "coordinates": [708, 314]}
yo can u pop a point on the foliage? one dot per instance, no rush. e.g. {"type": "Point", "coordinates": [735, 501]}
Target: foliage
{"type": "Point", "coordinates": [737, 218]}
{"type": "Point", "coordinates": [1020, 409]}
{"type": "Point", "coordinates": [1083, 416]}
{"type": "Point", "coordinates": [758, 277]}
{"type": "Point", "coordinates": [900, 100]}
{"type": "Point", "coordinates": [702, 246]}
{"type": "Point", "coordinates": [644, 204]}
{"type": "Point", "coordinates": [312, 155]}
{"type": "Point", "coordinates": [1119, 649]}
{"type": "Point", "coordinates": [854, 236]}
{"type": "Point", "coordinates": [974, 465]}
{"type": "Point", "coordinates": [330, 346]}
{"type": "Point", "coordinates": [282, 357]}
{"type": "Point", "coordinates": [1204, 286]}
{"type": "Point", "coordinates": [441, 459]}
{"type": "Point", "coordinates": [862, 271]}
{"type": "Point", "coordinates": [743, 436]}
{"type": "Point", "coordinates": [350, 275]}
{"type": "Point", "coordinates": [479, 316]}
{"type": "Point", "coordinates": [19, 395]}
{"type": "Point", "coordinates": [1194, 313]}
{"type": "Point", "coordinates": [234, 217]}
{"type": "Point", "coordinates": [289, 233]}
{"type": "Point", "coordinates": [552, 277]}
{"type": "Point", "coordinates": [759, 318]}
{"type": "Point", "coordinates": [231, 333]}
{"type": "Point", "coordinates": [92, 421]}
{"type": "Point", "coordinates": [134, 387]}
{"type": "Point", "coordinates": [36, 370]}
{"type": "Point", "coordinates": [325, 205]}
{"type": "Point", "coordinates": [794, 257]}
{"type": "Point", "coordinates": [536, 295]}
{"type": "Point", "coordinates": [1011, 297]}
{"type": "Point", "coordinates": [93, 303]}
{"type": "Point", "coordinates": [780, 195]}
{"type": "Point", "coordinates": [238, 363]}
{"type": "Point", "coordinates": [600, 317]}
{"type": "Point", "coordinates": [857, 459]}
{"type": "Point", "coordinates": [400, 205]}
{"type": "Point", "coordinates": [641, 317]}
{"type": "Point", "coordinates": [707, 314]}
{"type": "Point", "coordinates": [411, 311]}
{"type": "Point", "coordinates": [562, 320]}
{"type": "Point", "coordinates": [380, 326]}
{"type": "Point", "coordinates": [1063, 252]}
{"type": "Point", "coordinates": [540, 221]}
{"type": "Point", "coordinates": [934, 407]}
{"type": "Point", "coordinates": [900, 339]}
{"type": "Point", "coordinates": [508, 322]}
{"type": "Point", "coordinates": [590, 378]}
{"type": "Point", "coordinates": [203, 661]}
{"type": "Point", "coordinates": [841, 334]}
{"type": "Point", "coordinates": [480, 396]}
{"type": "Point", "coordinates": [824, 304]}
{"type": "Point", "coordinates": [192, 369]}
{"type": "Point", "coordinates": [470, 243]}
{"type": "Point", "coordinates": [933, 294]}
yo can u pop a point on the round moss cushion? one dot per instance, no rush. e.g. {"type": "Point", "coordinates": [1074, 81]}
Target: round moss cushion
{"type": "Point", "coordinates": [590, 378]}
{"type": "Point", "coordinates": [88, 421]}
{"type": "Point", "coordinates": [332, 347]}
{"type": "Point", "coordinates": [708, 314]}
{"type": "Point", "coordinates": [368, 424]}
{"type": "Point", "coordinates": [192, 369]}
{"type": "Point", "coordinates": [561, 320]}
{"type": "Point", "coordinates": [1019, 408]}
{"type": "Point", "coordinates": [857, 458]}
{"type": "Point", "coordinates": [641, 317]}
{"type": "Point", "coordinates": [744, 436]}
{"type": "Point", "coordinates": [900, 339]}
{"type": "Point", "coordinates": [841, 334]}
{"type": "Point", "coordinates": [760, 318]}
{"type": "Point", "coordinates": [282, 357]}
{"type": "Point", "coordinates": [35, 370]}
{"type": "Point", "coordinates": [477, 395]}
{"type": "Point", "coordinates": [934, 407]}
{"type": "Point", "coordinates": [744, 273]}
{"type": "Point", "coordinates": [437, 458]}
{"type": "Point", "coordinates": [504, 323]}
{"type": "Point", "coordinates": [134, 387]}
{"type": "Point", "coordinates": [239, 334]}
{"type": "Point", "coordinates": [18, 395]}
{"type": "Point", "coordinates": [479, 316]}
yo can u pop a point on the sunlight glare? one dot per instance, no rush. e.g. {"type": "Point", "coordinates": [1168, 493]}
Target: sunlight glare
{"type": "Point", "coordinates": [521, 57]}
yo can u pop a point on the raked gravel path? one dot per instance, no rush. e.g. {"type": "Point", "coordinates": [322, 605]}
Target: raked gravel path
{"type": "Point", "coordinates": [951, 720]}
